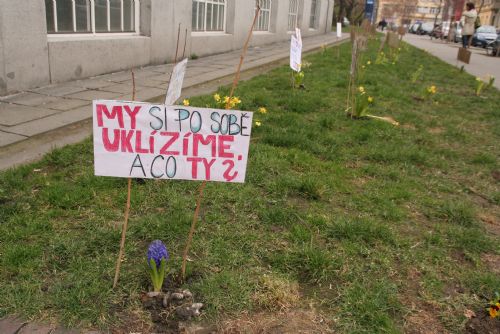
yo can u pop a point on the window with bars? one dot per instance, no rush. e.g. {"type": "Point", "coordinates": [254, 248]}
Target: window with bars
{"type": "Point", "coordinates": [91, 16]}
{"type": "Point", "coordinates": [313, 21]}
{"type": "Point", "coordinates": [209, 15]}
{"type": "Point", "coordinates": [264, 18]}
{"type": "Point", "coordinates": [293, 11]}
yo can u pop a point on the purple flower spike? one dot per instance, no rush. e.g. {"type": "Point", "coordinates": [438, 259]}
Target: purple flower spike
{"type": "Point", "coordinates": [157, 251]}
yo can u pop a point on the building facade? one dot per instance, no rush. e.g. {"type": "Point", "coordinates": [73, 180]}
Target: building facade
{"type": "Point", "coordinates": [489, 13]}
{"type": "Point", "coordinates": [409, 11]}
{"type": "Point", "coordinates": [50, 41]}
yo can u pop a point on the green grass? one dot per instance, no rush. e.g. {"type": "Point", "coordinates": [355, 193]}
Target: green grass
{"type": "Point", "coordinates": [347, 209]}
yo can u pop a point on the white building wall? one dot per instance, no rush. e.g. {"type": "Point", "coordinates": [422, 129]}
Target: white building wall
{"type": "Point", "coordinates": [30, 58]}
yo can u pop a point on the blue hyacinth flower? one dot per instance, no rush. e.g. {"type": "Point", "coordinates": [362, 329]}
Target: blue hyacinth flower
{"type": "Point", "coordinates": [157, 260]}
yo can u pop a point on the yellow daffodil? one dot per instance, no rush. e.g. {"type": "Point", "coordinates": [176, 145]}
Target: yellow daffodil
{"type": "Point", "coordinates": [478, 79]}
{"type": "Point", "coordinates": [368, 62]}
{"type": "Point", "coordinates": [185, 102]}
{"type": "Point", "coordinates": [262, 110]}
{"type": "Point", "coordinates": [217, 97]}
{"type": "Point", "coordinates": [363, 66]}
{"type": "Point", "coordinates": [257, 123]}
{"type": "Point", "coordinates": [370, 99]}
{"type": "Point", "coordinates": [431, 89]}
{"type": "Point", "coordinates": [361, 89]}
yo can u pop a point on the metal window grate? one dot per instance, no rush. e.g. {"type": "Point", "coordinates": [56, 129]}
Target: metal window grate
{"type": "Point", "coordinates": [313, 21]}
{"type": "Point", "coordinates": [92, 16]}
{"type": "Point", "coordinates": [264, 19]}
{"type": "Point", "coordinates": [293, 11]}
{"type": "Point", "coordinates": [209, 15]}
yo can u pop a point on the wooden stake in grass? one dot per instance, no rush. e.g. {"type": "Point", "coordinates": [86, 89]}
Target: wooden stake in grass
{"type": "Point", "coordinates": [204, 183]}
{"type": "Point", "coordinates": [127, 210]}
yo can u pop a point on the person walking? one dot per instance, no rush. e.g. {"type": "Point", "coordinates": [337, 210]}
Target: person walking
{"type": "Point", "coordinates": [468, 21]}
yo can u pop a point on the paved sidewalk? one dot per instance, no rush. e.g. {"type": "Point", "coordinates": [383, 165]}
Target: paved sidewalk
{"type": "Point", "coordinates": [480, 65]}
{"type": "Point", "coordinates": [31, 121]}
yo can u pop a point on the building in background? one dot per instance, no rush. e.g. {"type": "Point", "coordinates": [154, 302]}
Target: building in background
{"type": "Point", "coordinates": [409, 11]}
{"type": "Point", "coordinates": [50, 41]}
{"type": "Point", "coordinates": [489, 13]}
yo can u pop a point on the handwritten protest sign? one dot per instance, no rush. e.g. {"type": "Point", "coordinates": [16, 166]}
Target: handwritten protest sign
{"type": "Point", "coordinates": [141, 140]}
{"type": "Point", "coordinates": [298, 34]}
{"type": "Point", "coordinates": [175, 84]}
{"type": "Point", "coordinates": [392, 40]}
{"type": "Point", "coordinates": [295, 54]}
{"type": "Point", "coordinates": [463, 55]}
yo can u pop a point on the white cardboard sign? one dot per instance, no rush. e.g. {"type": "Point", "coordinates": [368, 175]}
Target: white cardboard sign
{"type": "Point", "coordinates": [175, 84]}
{"type": "Point", "coordinates": [295, 54]}
{"type": "Point", "coordinates": [298, 34]}
{"type": "Point", "coordinates": [339, 29]}
{"type": "Point", "coordinates": [142, 140]}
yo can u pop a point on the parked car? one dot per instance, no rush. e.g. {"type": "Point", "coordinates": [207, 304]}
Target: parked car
{"type": "Point", "coordinates": [495, 46]}
{"type": "Point", "coordinates": [414, 27]}
{"type": "Point", "coordinates": [458, 34]}
{"type": "Point", "coordinates": [484, 35]}
{"type": "Point", "coordinates": [425, 28]}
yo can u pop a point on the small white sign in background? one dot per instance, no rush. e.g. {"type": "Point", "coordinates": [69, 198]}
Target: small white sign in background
{"type": "Point", "coordinates": [175, 84]}
{"type": "Point", "coordinates": [339, 29]}
{"type": "Point", "coordinates": [296, 51]}
{"type": "Point", "coordinates": [142, 140]}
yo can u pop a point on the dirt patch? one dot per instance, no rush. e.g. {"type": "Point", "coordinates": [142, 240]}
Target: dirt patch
{"type": "Point", "coordinates": [296, 321]}
{"type": "Point", "coordinates": [423, 322]}
{"type": "Point", "coordinates": [482, 324]}
{"type": "Point", "coordinates": [435, 131]}
{"type": "Point", "coordinates": [422, 319]}
{"type": "Point", "coordinates": [492, 261]}
{"type": "Point", "coordinates": [408, 126]}
{"type": "Point", "coordinates": [491, 223]}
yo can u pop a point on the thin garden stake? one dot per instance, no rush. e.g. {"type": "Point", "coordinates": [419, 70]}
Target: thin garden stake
{"type": "Point", "coordinates": [177, 44]}
{"type": "Point", "coordinates": [204, 183]}
{"type": "Point", "coordinates": [185, 42]}
{"type": "Point", "coordinates": [127, 210]}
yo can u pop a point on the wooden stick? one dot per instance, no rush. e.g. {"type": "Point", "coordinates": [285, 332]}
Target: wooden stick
{"type": "Point", "coordinates": [127, 210]}
{"type": "Point", "coordinates": [192, 229]}
{"type": "Point", "coordinates": [204, 183]}
{"type": "Point", "coordinates": [185, 42]}
{"type": "Point", "coordinates": [177, 44]}
{"type": "Point", "coordinates": [243, 53]}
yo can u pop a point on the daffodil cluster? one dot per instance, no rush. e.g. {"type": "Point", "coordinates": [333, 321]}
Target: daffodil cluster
{"type": "Point", "coordinates": [298, 79]}
{"type": "Point", "coordinates": [261, 110]}
{"type": "Point", "coordinates": [363, 102]}
{"type": "Point", "coordinates": [431, 90]}
{"type": "Point", "coordinates": [226, 102]}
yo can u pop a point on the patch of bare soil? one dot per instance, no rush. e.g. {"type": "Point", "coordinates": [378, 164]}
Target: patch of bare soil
{"type": "Point", "coordinates": [482, 324]}
{"type": "Point", "coordinates": [422, 319]}
{"type": "Point", "coordinates": [435, 131]}
{"type": "Point", "coordinates": [291, 322]}
{"type": "Point", "coordinates": [491, 223]}
{"type": "Point", "coordinates": [423, 322]}
{"type": "Point", "coordinates": [492, 261]}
